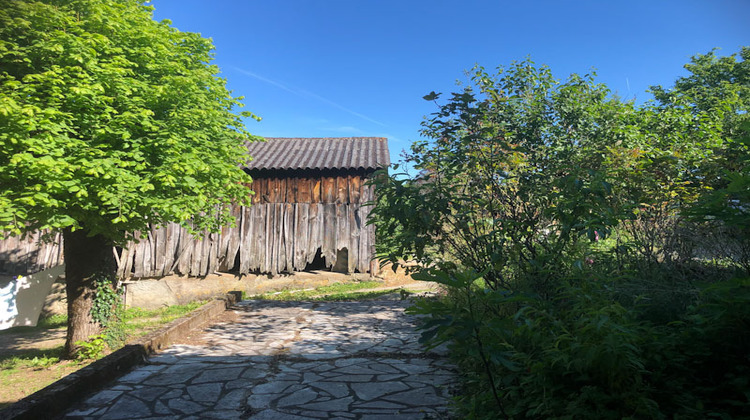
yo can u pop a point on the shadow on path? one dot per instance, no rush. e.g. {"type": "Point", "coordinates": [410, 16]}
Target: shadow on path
{"type": "Point", "coordinates": [289, 360]}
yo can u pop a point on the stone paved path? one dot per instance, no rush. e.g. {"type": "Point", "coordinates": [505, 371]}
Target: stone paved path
{"type": "Point", "coordinates": [289, 360]}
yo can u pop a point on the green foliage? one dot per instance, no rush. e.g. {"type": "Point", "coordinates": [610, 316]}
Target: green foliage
{"type": "Point", "coordinates": [591, 248]}
{"type": "Point", "coordinates": [53, 321]}
{"type": "Point", "coordinates": [337, 291]}
{"type": "Point", "coordinates": [513, 177]}
{"type": "Point", "coordinates": [107, 309]}
{"type": "Point", "coordinates": [136, 321]}
{"type": "Point", "coordinates": [93, 348]}
{"type": "Point", "coordinates": [110, 121]}
{"type": "Point", "coordinates": [38, 359]}
{"type": "Point", "coordinates": [107, 302]}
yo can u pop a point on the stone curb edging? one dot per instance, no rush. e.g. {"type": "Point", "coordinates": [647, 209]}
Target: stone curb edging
{"type": "Point", "coordinates": [52, 401]}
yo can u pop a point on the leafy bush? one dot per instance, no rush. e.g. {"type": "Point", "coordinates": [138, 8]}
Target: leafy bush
{"type": "Point", "coordinates": [93, 348]}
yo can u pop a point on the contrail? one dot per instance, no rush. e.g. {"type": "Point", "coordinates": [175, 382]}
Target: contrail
{"type": "Point", "coordinates": [306, 93]}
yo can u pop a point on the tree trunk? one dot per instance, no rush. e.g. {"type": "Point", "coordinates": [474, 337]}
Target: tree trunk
{"type": "Point", "coordinates": [86, 258]}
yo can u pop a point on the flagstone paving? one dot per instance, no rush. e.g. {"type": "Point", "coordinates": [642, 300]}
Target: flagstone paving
{"type": "Point", "coordinates": [289, 360]}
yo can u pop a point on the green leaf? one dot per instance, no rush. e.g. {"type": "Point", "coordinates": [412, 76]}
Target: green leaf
{"type": "Point", "coordinates": [431, 96]}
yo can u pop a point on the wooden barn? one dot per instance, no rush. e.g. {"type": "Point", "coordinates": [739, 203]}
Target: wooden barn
{"type": "Point", "coordinates": [308, 209]}
{"type": "Point", "coordinates": [308, 212]}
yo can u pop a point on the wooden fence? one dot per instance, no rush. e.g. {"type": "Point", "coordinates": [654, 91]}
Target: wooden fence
{"type": "Point", "coordinates": [32, 253]}
{"type": "Point", "coordinates": [268, 238]}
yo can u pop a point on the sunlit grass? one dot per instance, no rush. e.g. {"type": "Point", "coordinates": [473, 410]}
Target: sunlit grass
{"type": "Point", "coordinates": [32, 358]}
{"type": "Point", "coordinates": [138, 322]}
{"type": "Point", "coordinates": [335, 292]}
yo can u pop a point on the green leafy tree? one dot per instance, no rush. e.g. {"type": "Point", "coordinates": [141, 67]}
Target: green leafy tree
{"type": "Point", "coordinates": [513, 177]}
{"type": "Point", "coordinates": [110, 121]}
{"type": "Point", "coordinates": [719, 88]}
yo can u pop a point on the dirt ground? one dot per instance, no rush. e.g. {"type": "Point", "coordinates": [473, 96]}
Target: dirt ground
{"type": "Point", "coordinates": [26, 381]}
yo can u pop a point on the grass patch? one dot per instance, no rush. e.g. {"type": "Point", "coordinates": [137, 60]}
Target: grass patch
{"type": "Point", "coordinates": [332, 293]}
{"type": "Point", "coordinates": [348, 296]}
{"type": "Point", "coordinates": [310, 294]}
{"type": "Point", "coordinates": [32, 358]}
{"type": "Point", "coordinates": [138, 322]}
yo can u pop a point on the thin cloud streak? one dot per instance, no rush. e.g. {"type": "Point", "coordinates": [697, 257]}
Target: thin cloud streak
{"type": "Point", "coordinates": [344, 129]}
{"type": "Point", "coordinates": [306, 93]}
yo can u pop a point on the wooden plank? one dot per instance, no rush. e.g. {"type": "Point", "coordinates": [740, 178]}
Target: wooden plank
{"type": "Point", "coordinates": [273, 190]}
{"type": "Point", "coordinates": [315, 229]}
{"type": "Point", "coordinates": [130, 260]}
{"type": "Point", "coordinates": [170, 245]}
{"type": "Point", "coordinates": [245, 239]}
{"type": "Point", "coordinates": [42, 254]}
{"type": "Point", "coordinates": [248, 217]}
{"type": "Point", "coordinates": [259, 216]}
{"type": "Point", "coordinates": [148, 258]}
{"type": "Point", "coordinates": [185, 245]}
{"type": "Point", "coordinates": [279, 246]}
{"type": "Point", "coordinates": [290, 194]}
{"type": "Point", "coordinates": [363, 252]}
{"type": "Point", "coordinates": [125, 256]}
{"type": "Point", "coordinates": [354, 233]}
{"type": "Point", "coordinates": [196, 257]}
{"type": "Point", "coordinates": [138, 261]}
{"type": "Point", "coordinates": [342, 190]}
{"type": "Point", "coordinates": [213, 260]}
{"type": "Point", "coordinates": [259, 187]}
{"type": "Point", "coordinates": [342, 226]}
{"type": "Point", "coordinates": [283, 182]}
{"type": "Point", "coordinates": [36, 254]}
{"type": "Point", "coordinates": [58, 249]}
{"type": "Point", "coordinates": [233, 240]}
{"type": "Point", "coordinates": [208, 256]}
{"type": "Point", "coordinates": [328, 250]}
{"type": "Point", "coordinates": [205, 254]}
{"type": "Point", "coordinates": [328, 190]}
{"type": "Point", "coordinates": [315, 184]}
{"type": "Point", "coordinates": [259, 233]}
{"type": "Point", "coordinates": [287, 263]}
{"type": "Point", "coordinates": [222, 246]}
{"type": "Point", "coordinates": [301, 231]}
{"type": "Point", "coordinates": [271, 240]}
{"type": "Point", "coordinates": [160, 250]}
{"type": "Point", "coordinates": [140, 251]}
{"type": "Point", "coordinates": [355, 188]}
{"type": "Point", "coordinates": [304, 190]}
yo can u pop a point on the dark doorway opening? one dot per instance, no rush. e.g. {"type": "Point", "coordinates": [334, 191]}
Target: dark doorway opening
{"type": "Point", "coordinates": [318, 263]}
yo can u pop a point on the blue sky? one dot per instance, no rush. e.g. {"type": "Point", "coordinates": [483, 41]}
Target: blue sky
{"type": "Point", "coordinates": [331, 68]}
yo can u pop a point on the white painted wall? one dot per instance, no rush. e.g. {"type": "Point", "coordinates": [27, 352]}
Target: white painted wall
{"type": "Point", "coordinates": [22, 297]}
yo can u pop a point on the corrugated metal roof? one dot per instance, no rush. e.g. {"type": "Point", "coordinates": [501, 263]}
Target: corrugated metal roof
{"type": "Point", "coordinates": [319, 153]}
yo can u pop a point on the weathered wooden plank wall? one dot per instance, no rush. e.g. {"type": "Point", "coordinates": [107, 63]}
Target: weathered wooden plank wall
{"type": "Point", "coordinates": [31, 253]}
{"type": "Point", "coordinates": [290, 219]}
